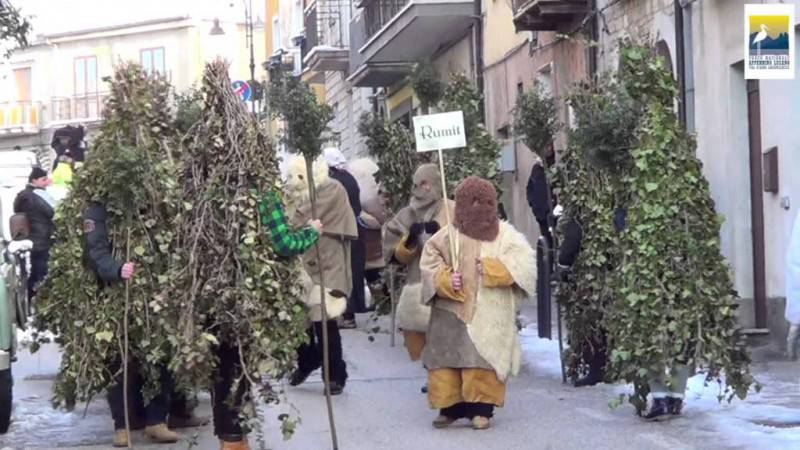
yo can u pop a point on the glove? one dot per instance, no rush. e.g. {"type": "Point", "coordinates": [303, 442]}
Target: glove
{"type": "Point", "coordinates": [791, 341]}
{"type": "Point", "coordinates": [413, 235]}
{"type": "Point", "coordinates": [431, 227]}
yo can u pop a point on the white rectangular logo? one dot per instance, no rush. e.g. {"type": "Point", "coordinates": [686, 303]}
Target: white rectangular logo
{"type": "Point", "coordinates": [769, 47]}
{"type": "Point", "coordinates": [440, 131]}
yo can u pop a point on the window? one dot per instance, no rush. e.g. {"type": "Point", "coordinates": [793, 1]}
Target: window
{"type": "Point", "coordinates": [152, 60]}
{"type": "Point", "coordinates": [276, 34]}
{"type": "Point", "coordinates": [86, 102]}
{"type": "Point", "coordinates": [22, 80]}
{"type": "Point", "coordinates": [85, 75]}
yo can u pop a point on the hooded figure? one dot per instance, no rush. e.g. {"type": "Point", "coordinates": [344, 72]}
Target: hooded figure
{"type": "Point", "coordinates": [373, 216]}
{"type": "Point", "coordinates": [337, 165]}
{"type": "Point", "coordinates": [404, 237]}
{"type": "Point", "coordinates": [472, 346]}
{"type": "Point", "coordinates": [333, 262]}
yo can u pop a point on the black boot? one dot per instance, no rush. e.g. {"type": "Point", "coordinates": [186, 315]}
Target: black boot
{"type": "Point", "coordinates": [659, 411]}
{"type": "Point", "coordinates": [675, 405]}
{"type": "Point", "coordinates": [298, 377]}
{"type": "Point", "coordinates": [592, 378]}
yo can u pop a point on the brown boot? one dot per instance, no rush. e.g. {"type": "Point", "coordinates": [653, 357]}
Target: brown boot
{"type": "Point", "coordinates": [481, 423]}
{"type": "Point", "coordinates": [121, 438]}
{"type": "Point", "coordinates": [237, 445]}
{"type": "Point", "coordinates": [161, 434]}
{"type": "Point", "coordinates": [442, 421]}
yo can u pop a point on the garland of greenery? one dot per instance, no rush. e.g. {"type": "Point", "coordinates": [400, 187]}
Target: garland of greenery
{"type": "Point", "coordinates": [392, 146]}
{"type": "Point", "coordinates": [674, 302]}
{"type": "Point", "coordinates": [482, 152]}
{"type": "Point", "coordinates": [130, 172]}
{"type": "Point", "coordinates": [536, 120]}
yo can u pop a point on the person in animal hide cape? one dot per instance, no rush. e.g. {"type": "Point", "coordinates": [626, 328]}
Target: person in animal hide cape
{"type": "Point", "coordinates": [373, 215]}
{"type": "Point", "coordinates": [333, 209]}
{"type": "Point", "coordinates": [403, 239]}
{"type": "Point", "coordinates": [472, 345]}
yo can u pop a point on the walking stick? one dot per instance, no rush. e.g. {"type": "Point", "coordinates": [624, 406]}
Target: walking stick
{"type": "Point", "coordinates": [394, 305]}
{"type": "Point", "coordinates": [326, 372]}
{"type": "Point", "coordinates": [125, 348]}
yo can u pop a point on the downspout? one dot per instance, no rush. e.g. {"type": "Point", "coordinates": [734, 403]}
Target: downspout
{"type": "Point", "coordinates": [680, 62]}
{"type": "Point", "coordinates": [477, 28]}
{"type": "Point", "coordinates": [595, 38]}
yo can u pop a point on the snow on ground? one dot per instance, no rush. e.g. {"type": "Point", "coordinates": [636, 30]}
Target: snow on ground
{"type": "Point", "coordinates": [383, 409]}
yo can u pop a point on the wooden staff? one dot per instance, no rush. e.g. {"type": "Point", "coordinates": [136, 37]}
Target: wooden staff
{"type": "Point", "coordinates": [453, 242]}
{"type": "Point", "coordinates": [326, 372]}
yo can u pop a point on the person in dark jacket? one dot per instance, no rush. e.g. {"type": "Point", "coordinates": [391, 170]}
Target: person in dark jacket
{"type": "Point", "coordinates": [108, 270]}
{"type": "Point", "coordinates": [358, 251]}
{"type": "Point", "coordinates": [39, 207]}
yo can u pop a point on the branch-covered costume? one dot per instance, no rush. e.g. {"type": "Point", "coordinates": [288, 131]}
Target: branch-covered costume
{"type": "Point", "coordinates": [332, 264]}
{"type": "Point", "coordinates": [404, 237]}
{"type": "Point", "coordinates": [472, 345]}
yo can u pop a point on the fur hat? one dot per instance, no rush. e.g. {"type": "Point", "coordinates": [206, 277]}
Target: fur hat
{"type": "Point", "coordinates": [364, 170]}
{"type": "Point", "coordinates": [476, 209]}
{"type": "Point", "coordinates": [296, 186]}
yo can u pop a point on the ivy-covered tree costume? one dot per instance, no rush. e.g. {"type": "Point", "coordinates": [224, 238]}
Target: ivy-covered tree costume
{"type": "Point", "coordinates": [674, 307]}
{"type": "Point", "coordinates": [131, 173]}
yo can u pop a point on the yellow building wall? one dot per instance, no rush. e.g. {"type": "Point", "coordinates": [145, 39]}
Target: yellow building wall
{"type": "Point", "coordinates": [499, 34]}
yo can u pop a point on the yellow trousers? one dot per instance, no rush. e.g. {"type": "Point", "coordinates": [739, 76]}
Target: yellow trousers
{"type": "Point", "coordinates": [415, 342]}
{"type": "Point", "coordinates": [446, 387]}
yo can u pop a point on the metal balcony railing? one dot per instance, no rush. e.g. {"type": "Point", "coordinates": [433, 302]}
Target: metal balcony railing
{"type": "Point", "coordinates": [20, 114]}
{"type": "Point", "coordinates": [89, 106]}
{"type": "Point", "coordinates": [378, 13]}
{"type": "Point", "coordinates": [326, 24]}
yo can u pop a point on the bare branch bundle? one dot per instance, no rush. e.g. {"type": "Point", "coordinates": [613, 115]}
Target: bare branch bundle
{"type": "Point", "coordinates": [233, 287]}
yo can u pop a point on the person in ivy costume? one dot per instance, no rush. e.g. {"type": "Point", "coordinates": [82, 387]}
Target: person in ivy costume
{"type": "Point", "coordinates": [674, 310]}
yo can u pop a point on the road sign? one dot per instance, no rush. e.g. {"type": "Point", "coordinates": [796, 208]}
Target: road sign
{"type": "Point", "coordinates": [440, 131]}
{"type": "Point", "coordinates": [243, 90]}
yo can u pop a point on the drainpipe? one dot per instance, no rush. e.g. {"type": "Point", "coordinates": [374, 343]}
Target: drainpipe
{"type": "Point", "coordinates": [477, 28]}
{"type": "Point", "coordinates": [595, 39]}
{"type": "Point", "coordinates": [680, 59]}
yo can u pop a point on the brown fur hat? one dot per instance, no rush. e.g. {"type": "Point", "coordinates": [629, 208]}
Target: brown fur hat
{"type": "Point", "coordinates": [476, 209]}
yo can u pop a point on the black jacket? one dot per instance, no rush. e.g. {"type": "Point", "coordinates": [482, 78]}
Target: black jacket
{"type": "Point", "coordinates": [351, 186]}
{"type": "Point", "coordinates": [536, 191]}
{"type": "Point", "coordinates": [97, 248]}
{"type": "Point", "coordinates": [40, 217]}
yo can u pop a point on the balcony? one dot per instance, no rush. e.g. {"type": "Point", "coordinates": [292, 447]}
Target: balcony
{"type": "Point", "coordinates": [77, 108]}
{"type": "Point", "coordinates": [391, 35]}
{"type": "Point", "coordinates": [327, 38]}
{"type": "Point", "coordinates": [20, 117]}
{"type": "Point", "coordinates": [546, 15]}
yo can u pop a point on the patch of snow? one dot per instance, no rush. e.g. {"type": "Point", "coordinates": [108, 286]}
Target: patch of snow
{"type": "Point", "coordinates": [540, 355]}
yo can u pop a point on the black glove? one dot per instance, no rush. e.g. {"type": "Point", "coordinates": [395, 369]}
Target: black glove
{"type": "Point", "coordinates": [431, 227]}
{"type": "Point", "coordinates": [413, 235]}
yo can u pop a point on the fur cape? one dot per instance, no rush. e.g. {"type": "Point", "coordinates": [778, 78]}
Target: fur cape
{"type": "Point", "coordinates": [491, 325]}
